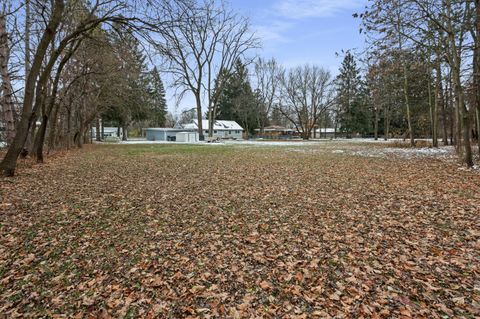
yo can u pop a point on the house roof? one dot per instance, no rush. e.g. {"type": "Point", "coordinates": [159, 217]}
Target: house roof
{"type": "Point", "coordinates": [165, 129]}
{"type": "Point", "coordinates": [219, 125]}
{"type": "Point", "coordinates": [276, 128]}
{"type": "Point", "coordinates": [326, 130]}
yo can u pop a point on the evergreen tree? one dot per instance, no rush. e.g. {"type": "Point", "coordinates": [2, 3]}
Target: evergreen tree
{"type": "Point", "coordinates": [128, 97]}
{"type": "Point", "coordinates": [158, 102]}
{"type": "Point", "coordinates": [237, 101]}
{"type": "Point", "coordinates": [353, 114]}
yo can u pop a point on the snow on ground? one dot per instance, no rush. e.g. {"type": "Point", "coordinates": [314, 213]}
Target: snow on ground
{"type": "Point", "coordinates": [275, 143]}
{"type": "Point", "coordinates": [230, 142]}
{"type": "Point", "coordinates": [357, 147]}
{"type": "Point", "coordinates": [404, 152]}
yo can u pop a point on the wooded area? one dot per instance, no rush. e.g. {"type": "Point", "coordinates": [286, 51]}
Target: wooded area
{"type": "Point", "coordinates": [432, 49]}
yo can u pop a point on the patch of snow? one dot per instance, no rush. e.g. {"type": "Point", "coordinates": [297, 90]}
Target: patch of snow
{"type": "Point", "coordinates": [405, 152]}
{"type": "Point", "coordinates": [473, 168]}
{"type": "Point", "coordinates": [272, 143]}
{"type": "Point", "coordinates": [3, 144]}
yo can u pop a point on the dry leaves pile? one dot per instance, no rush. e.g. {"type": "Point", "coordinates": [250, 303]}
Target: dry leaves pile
{"type": "Point", "coordinates": [197, 232]}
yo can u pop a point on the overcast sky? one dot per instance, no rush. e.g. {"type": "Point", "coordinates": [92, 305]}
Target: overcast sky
{"type": "Point", "coordinates": [296, 32]}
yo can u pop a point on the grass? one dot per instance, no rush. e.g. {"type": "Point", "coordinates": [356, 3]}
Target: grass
{"type": "Point", "coordinates": [177, 231]}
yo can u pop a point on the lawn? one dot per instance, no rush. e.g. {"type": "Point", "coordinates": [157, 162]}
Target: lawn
{"type": "Point", "coordinates": [303, 231]}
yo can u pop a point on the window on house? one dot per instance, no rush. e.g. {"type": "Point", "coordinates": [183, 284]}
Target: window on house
{"type": "Point", "coordinates": [237, 132]}
{"type": "Point", "coordinates": [214, 131]}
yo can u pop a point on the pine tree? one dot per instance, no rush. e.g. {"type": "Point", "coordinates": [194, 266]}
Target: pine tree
{"type": "Point", "coordinates": [352, 107]}
{"type": "Point", "coordinates": [237, 100]}
{"type": "Point", "coordinates": [158, 102]}
{"type": "Point", "coordinates": [128, 96]}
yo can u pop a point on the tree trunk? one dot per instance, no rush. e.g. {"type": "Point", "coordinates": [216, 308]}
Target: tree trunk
{"type": "Point", "coordinates": [407, 105]}
{"type": "Point", "coordinates": [8, 107]}
{"type": "Point", "coordinates": [52, 131]}
{"type": "Point", "coordinates": [477, 112]}
{"type": "Point", "coordinates": [124, 133]}
{"type": "Point", "coordinates": [335, 129]}
{"type": "Point", "coordinates": [40, 138]}
{"type": "Point", "coordinates": [441, 102]}
{"type": "Point", "coordinates": [458, 129]}
{"type": "Point", "coordinates": [405, 82]}
{"type": "Point", "coordinates": [210, 122]}
{"type": "Point", "coordinates": [27, 36]}
{"type": "Point", "coordinates": [78, 137]}
{"type": "Point", "coordinates": [468, 159]}
{"type": "Point", "coordinates": [449, 104]}
{"type": "Point", "coordinates": [98, 136]}
{"type": "Point", "coordinates": [199, 117]}
{"type": "Point", "coordinates": [9, 162]}
{"type": "Point", "coordinates": [463, 120]}
{"type": "Point", "coordinates": [476, 69]}
{"type": "Point", "coordinates": [386, 122]}
{"type": "Point", "coordinates": [433, 112]}
{"type": "Point", "coordinates": [375, 125]}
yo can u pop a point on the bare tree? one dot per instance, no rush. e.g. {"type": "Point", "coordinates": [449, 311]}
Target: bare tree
{"type": "Point", "coordinates": [7, 102]}
{"type": "Point", "coordinates": [267, 82]}
{"type": "Point", "coordinates": [442, 29]}
{"type": "Point", "coordinates": [203, 49]}
{"type": "Point", "coordinates": [306, 95]}
{"type": "Point", "coordinates": [62, 24]}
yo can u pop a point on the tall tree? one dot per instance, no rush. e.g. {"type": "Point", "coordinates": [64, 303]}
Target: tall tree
{"type": "Point", "coordinates": [306, 96]}
{"type": "Point", "coordinates": [202, 48]}
{"type": "Point", "coordinates": [237, 101]}
{"type": "Point", "coordinates": [60, 24]}
{"type": "Point", "coordinates": [440, 28]}
{"type": "Point", "coordinates": [267, 83]}
{"type": "Point", "coordinates": [351, 98]}
{"type": "Point", "coordinates": [6, 91]}
{"type": "Point", "coordinates": [9, 162]}
{"type": "Point", "coordinates": [158, 102]}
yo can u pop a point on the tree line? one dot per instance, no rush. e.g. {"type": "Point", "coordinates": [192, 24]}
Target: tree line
{"type": "Point", "coordinates": [424, 56]}
{"type": "Point", "coordinates": [69, 65]}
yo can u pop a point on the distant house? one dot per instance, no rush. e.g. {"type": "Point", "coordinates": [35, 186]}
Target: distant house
{"type": "Point", "coordinates": [221, 129]}
{"type": "Point", "coordinates": [108, 131]}
{"type": "Point", "coordinates": [276, 132]}
{"type": "Point", "coordinates": [325, 132]}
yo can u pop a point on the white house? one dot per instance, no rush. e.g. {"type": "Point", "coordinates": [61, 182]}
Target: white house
{"type": "Point", "coordinates": [325, 132]}
{"type": "Point", "coordinates": [108, 131]}
{"type": "Point", "coordinates": [221, 129]}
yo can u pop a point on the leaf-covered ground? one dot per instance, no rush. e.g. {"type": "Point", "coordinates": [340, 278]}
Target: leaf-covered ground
{"type": "Point", "coordinates": [171, 231]}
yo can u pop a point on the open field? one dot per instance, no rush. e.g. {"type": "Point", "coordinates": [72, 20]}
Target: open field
{"type": "Point", "coordinates": [314, 230]}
